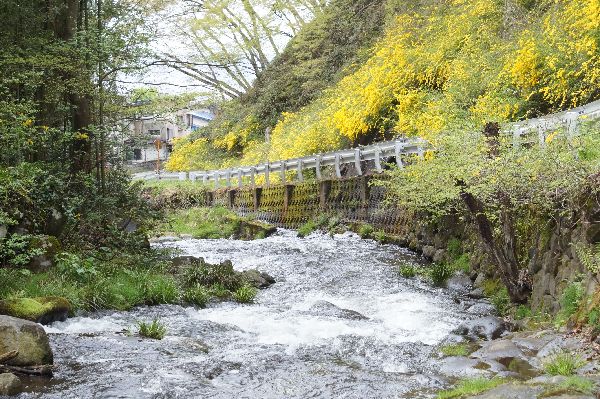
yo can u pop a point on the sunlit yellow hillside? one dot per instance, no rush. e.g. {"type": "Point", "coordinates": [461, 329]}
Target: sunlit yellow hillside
{"type": "Point", "coordinates": [439, 65]}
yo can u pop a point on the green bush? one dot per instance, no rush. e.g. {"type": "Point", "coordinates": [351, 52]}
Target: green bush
{"type": "Point", "coordinates": [563, 363]}
{"type": "Point", "coordinates": [570, 300]}
{"type": "Point", "coordinates": [439, 273]}
{"type": "Point", "coordinates": [154, 330]}
{"type": "Point", "coordinates": [245, 294]}
{"type": "Point", "coordinates": [161, 289]}
{"type": "Point", "coordinates": [523, 312]}
{"type": "Point", "coordinates": [498, 295]}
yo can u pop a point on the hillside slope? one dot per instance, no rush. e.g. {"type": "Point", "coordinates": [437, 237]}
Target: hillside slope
{"type": "Point", "coordinates": [408, 70]}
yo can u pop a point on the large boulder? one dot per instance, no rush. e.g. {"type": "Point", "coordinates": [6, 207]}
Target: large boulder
{"type": "Point", "coordinates": [257, 279]}
{"type": "Point", "coordinates": [10, 385]}
{"type": "Point", "coordinates": [482, 328]}
{"type": "Point", "coordinates": [49, 247]}
{"type": "Point", "coordinates": [26, 337]}
{"type": "Point", "coordinates": [45, 310]}
{"type": "Point", "coordinates": [324, 308]}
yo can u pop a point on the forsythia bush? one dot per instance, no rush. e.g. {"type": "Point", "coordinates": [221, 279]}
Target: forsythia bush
{"type": "Point", "coordinates": [452, 65]}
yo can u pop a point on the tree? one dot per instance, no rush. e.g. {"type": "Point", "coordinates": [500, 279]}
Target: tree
{"type": "Point", "coordinates": [233, 41]}
{"type": "Point", "coordinates": [509, 194]}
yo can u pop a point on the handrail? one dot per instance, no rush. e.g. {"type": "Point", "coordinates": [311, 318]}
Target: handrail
{"type": "Point", "coordinates": [376, 152]}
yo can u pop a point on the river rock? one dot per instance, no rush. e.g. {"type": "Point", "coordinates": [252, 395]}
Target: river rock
{"type": "Point", "coordinates": [26, 337]}
{"type": "Point", "coordinates": [498, 350]}
{"type": "Point", "coordinates": [482, 308]}
{"type": "Point", "coordinates": [482, 328]}
{"type": "Point", "coordinates": [459, 282]}
{"type": "Point", "coordinates": [10, 384]}
{"type": "Point", "coordinates": [45, 310]}
{"type": "Point", "coordinates": [511, 391]}
{"type": "Point", "coordinates": [257, 279]}
{"type": "Point", "coordinates": [324, 308]}
{"type": "Point", "coordinates": [460, 366]}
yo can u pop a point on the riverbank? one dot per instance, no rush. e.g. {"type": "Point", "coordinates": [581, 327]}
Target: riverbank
{"type": "Point", "coordinates": [341, 307]}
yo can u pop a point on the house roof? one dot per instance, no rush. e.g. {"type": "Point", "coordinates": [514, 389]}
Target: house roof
{"type": "Point", "coordinates": [206, 115]}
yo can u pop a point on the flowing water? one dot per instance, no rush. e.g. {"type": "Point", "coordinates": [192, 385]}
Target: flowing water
{"type": "Point", "coordinates": [339, 323]}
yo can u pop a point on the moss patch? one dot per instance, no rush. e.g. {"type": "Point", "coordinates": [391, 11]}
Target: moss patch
{"type": "Point", "coordinates": [213, 223]}
{"type": "Point", "coordinates": [40, 310]}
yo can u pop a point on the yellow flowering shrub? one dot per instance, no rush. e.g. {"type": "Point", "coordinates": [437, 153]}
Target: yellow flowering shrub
{"type": "Point", "coordinates": [450, 65]}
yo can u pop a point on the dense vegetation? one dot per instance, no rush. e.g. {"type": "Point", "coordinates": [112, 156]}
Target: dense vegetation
{"type": "Point", "coordinates": [438, 66]}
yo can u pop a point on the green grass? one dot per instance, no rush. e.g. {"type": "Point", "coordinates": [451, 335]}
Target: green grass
{"type": "Point", "coordinates": [407, 270]}
{"type": "Point", "coordinates": [439, 273]}
{"type": "Point", "coordinates": [570, 301]}
{"type": "Point", "coordinates": [460, 349]}
{"type": "Point", "coordinates": [470, 386]}
{"type": "Point", "coordinates": [563, 363]}
{"type": "Point", "coordinates": [245, 294]}
{"type": "Point", "coordinates": [201, 223]}
{"type": "Point", "coordinates": [498, 295]}
{"type": "Point", "coordinates": [572, 385]}
{"type": "Point", "coordinates": [197, 295]}
{"type": "Point", "coordinates": [365, 231]}
{"type": "Point", "coordinates": [307, 228]}
{"type": "Point", "coordinates": [154, 330]}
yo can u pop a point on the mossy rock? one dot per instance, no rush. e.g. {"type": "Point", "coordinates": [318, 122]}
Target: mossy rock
{"type": "Point", "coordinates": [26, 337]}
{"type": "Point", "coordinates": [248, 230]}
{"type": "Point", "coordinates": [50, 247]}
{"type": "Point", "coordinates": [43, 310]}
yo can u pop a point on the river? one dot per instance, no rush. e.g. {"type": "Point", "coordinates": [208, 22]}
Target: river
{"type": "Point", "coordinates": [339, 323]}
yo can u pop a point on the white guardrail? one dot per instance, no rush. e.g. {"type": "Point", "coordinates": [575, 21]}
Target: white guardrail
{"type": "Point", "coordinates": [570, 120]}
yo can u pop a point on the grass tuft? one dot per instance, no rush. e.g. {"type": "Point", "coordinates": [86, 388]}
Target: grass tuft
{"type": "Point", "coordinates": [470, 386]}
{"type": "Point", "coordinates": [245, 294]}
{"type": "Point", "coordinates": [563, 363]}
{"type": "Point", "coordinates": [460, 349]}
{"type": "Point", "coordinates": [154, 330]}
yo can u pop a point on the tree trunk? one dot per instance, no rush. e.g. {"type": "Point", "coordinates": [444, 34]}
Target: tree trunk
{"type": "Point", "coordinates": [502, 252]}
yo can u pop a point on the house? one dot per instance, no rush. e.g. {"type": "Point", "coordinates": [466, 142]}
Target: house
{"type": "Point", "coordinates": [151, 138]}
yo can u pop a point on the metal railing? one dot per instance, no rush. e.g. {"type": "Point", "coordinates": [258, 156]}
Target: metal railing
{"type": "Point", "coordinates": [569, 120]}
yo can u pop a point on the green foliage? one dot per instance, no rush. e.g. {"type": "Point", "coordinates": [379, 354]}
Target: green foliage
{"type": "Point", "coordinates": [307, 228]}
{"type": "Point", "coordinates": [460, 349]}
{"type": "Point", "coordinates": [365, 231]}
{"type": "Point", "coordinates": [439, 273]}
{"type": "Point", "coordinates": [570, 301]}
{"type": "Point", "coordinates": [589, 255]}
{"type": "Point", "coordinates": [454, 248]}
{"type": "Point", "coordinates": [407, 270]}
{"type": "Point", "coordinates": [197, 295]}
{"type": "Point", "coordinates": [17, 250]}
{"type": "Point", "coordinates": [245, 294]}
{"type": "Point", "coordinates": [498, 295]}
{"type": "Point", "coordinates": [571, 385]}
{"type": "Point", "coordinates": [471, 386]}
{"type": "Point", "coordinates": [381, 237]}
{"type": "Point", "coordinates": [154, 330]}
{"type": "Point", "coordinates": [219, 291]}
{"type": "Point", "coordinates": [563, 363]}
{"type": "Point", "coordinates": [522, 312]}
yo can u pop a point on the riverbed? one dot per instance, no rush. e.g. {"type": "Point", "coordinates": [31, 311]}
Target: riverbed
{"type": "Point", "coordinates": [339, 323]}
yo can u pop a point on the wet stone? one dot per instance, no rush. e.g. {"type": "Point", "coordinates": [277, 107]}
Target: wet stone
{"type": "Point", "coordinates": [10, 384]}
{"type": "Point", "coordinates": [488, 328]}
{"type": "Point", "coordinates": [324, 308]}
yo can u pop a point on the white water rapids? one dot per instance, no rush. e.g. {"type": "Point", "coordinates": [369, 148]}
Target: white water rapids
{"type": "Point", "coordinates": [285, 345]}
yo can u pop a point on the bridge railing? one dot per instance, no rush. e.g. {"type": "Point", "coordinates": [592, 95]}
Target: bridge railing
{"type": "Point", "coordinates": [569, 120]}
